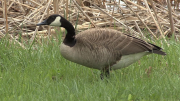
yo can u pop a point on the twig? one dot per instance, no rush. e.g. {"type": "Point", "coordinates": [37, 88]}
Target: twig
{"type": "Point", "coordinates": [154, 20]}
{"type": "Point", "coordinates": [1, 34]}
{"type": "Point", "coordinates": [141, 7]}
{"type": "Point", "coordinates": [33, 37]}
{"type": "Point", "coordinates": [17, 42]}
{"type": "Point", "coordinates": [22, 5]}
{"type": "Point", "coordinates": [10, 5]}
{"type": "Point", "coordinates": [29, 16]}
{"type": "Point", "coordinates": [116, 20]}
{"type": "Point", "coordinates": [164, 9]}
{"type": "Point", "coordinates": [35, 2]}
{"type": "Point", "coordinates": [140, 20]}
{"type": "Point", "coordinates": [155, 13]}
{"type": "Point", "coordinates": [83, 13]}
{"type": "Point", "coordinates": [139, 29]}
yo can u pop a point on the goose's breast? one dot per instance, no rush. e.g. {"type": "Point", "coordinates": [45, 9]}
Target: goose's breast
{"type": "Point", "coordinates": [67, 52]}
{"type": "Point", "coordinates": [96, 59]}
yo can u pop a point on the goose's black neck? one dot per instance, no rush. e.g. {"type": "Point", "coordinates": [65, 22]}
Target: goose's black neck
{"type": "Point", "coordinates": [70, 36]}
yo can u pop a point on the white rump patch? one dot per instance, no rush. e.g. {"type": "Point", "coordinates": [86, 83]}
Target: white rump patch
{"type": "Point", "coordinates": [128, 60]}
{"type": "Point", "coordinates": [56, 22]}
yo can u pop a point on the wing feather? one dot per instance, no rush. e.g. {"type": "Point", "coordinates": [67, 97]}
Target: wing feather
{"type": "Point", "coordinates": [110, 44]}
{"type": "Point", "coordinates": [114, 41]}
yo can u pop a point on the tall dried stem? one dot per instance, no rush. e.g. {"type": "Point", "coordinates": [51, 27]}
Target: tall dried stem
{"type": "Point", "coordinates": [171, 19]}
{"type": "Point", "coordinates": [160, 30]}
{"type": "Point", "coordinates": [84, 13]}
{"type": "Point", "coordinates": [67, 9]}
{"type": "Point", "coordinates": [5, 15]}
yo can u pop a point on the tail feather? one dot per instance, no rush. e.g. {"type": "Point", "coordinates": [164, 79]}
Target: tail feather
{"type": "Point", "coordinates": [157, 50]}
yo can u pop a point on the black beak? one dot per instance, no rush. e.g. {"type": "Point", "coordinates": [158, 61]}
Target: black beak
{"type": "Point", "coordinates": [42, 23]}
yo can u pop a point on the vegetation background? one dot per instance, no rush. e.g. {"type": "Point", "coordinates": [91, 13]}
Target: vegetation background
{"type": "Point", "coordinates": [32, 68]}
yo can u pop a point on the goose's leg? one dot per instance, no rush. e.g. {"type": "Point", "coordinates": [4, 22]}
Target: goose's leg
{"type": "Point", "coordinates": [102, 75]}
{"type": "Point", "coordinates": [105, 72]}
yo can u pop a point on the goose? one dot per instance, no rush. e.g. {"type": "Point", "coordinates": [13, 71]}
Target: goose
{"type": "Point", "coordinates": [100, 48]}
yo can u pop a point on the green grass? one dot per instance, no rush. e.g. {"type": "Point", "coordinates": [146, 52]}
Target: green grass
{"type": "Point", "coordinates": [42, 74]}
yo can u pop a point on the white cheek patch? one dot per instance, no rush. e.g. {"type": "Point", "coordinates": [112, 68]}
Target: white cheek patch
{"type": "Point", "coordinates": [56, 22]}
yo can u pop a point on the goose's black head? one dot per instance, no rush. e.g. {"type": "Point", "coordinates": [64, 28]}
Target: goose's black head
{"type": "Point", "coordinates": [58, 20]}
{"type": "Point", "coordinates": [54, 20]}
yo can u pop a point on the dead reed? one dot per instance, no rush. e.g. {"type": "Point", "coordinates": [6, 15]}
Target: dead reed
{"type": "Point", "coordinates": [19, 17]}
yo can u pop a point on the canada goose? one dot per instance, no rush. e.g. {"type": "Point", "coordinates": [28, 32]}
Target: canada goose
{"type": "Point", "coordinates": [100, 48]}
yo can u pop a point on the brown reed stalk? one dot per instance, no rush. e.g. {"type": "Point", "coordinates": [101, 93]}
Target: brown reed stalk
{"type": "Point", "coordinates": [56, 7]}
{"type": "Point", "coordinates": [171, 19]}
{"type": "Point", "coordinates": [138, 29]}
{"type": "Point", "coordinates": [112, 15]}
{"type": "Point", "coordinates": [131, 30]}
{"type": "Point", "coordinates": [160, 30]}
{"type": "Point", "coordinates": [21, 7]}
{"type": "Point", "coordinates": [5, 15]}
{"type": "Point", "coordinates": [21, 4]}
{"type": "Point", "coordinates": [141, 7]}
{"type": "Point", "coordinates": [56, 11]}
{"type": "Point", "coordinates": [155, 13]}
{"type": "Point", "coordinates": [67, 8]}
{"type": "Point", "coordinates": [84, 13]}
{"type": "Point", "coordinates": [140, 19]}
{"type": "Point", "coordinates": [35, 32]}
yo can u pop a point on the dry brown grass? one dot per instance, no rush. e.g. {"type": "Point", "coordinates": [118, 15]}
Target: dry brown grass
{"type": "Point", "coordinates": [22, 16]}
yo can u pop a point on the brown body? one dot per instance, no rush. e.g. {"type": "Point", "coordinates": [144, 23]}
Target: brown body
{"type": "Point", "coordinates": [102, 48]}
